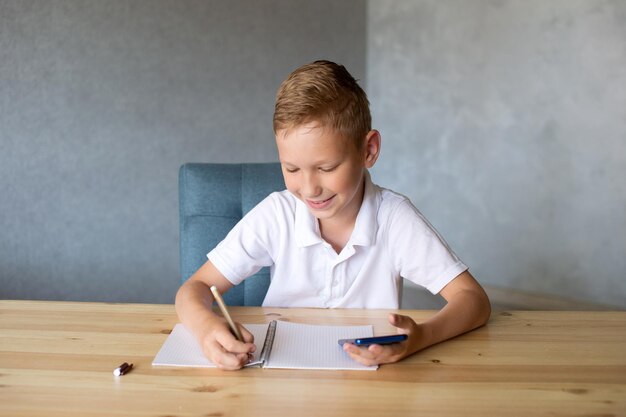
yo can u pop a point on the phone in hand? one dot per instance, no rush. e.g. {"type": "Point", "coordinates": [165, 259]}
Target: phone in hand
{"type": "Point", "coordinates": [377, 340]}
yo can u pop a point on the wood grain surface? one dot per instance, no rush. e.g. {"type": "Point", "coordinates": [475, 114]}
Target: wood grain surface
{"type": "Point", "coordinates": [57, 359]}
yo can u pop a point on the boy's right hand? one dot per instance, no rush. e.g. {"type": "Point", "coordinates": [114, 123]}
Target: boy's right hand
{"type": "Point", "coordinates": [223, 348]}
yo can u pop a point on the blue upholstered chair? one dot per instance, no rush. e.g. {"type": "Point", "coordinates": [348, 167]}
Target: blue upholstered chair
{"type": "Point", "coordinates": [213, 198]}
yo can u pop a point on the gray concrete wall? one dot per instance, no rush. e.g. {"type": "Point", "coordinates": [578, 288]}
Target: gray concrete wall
{"type": "Point", "coordinates": [505, 122]}
{"type": "Point", "coordinates": [102, 101]}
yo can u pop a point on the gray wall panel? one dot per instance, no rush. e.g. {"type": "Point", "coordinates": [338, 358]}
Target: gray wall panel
{"type": "Point", "coordinates": [505, 122]}
{"type": "Point", "coordinates": [102, 101]}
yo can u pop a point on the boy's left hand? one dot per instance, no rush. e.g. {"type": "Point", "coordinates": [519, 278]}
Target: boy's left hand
{"type": "Point", "coordinates": [379, 354]}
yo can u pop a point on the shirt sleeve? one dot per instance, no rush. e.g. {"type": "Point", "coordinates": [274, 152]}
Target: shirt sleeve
{"type": "Point", "coordinates": [246, 248]}
{"type": "Point", "coordinates": [419, 253]}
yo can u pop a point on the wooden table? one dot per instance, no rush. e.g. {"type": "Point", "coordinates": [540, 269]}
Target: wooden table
{"type": "Point", "coordinates": [57, 358]}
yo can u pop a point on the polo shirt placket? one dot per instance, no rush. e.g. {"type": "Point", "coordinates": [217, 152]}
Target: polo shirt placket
{"type": "Point", "coordinates": [336, 278]}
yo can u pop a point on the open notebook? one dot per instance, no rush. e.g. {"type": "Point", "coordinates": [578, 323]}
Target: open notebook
{"type": "Point", "coordinates": [280, 344]}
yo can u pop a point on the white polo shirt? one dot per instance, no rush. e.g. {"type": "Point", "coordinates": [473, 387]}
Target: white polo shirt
{"type": "Point", "coordinates": [391, 239]}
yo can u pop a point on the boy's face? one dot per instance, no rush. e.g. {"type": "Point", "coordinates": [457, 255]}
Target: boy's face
{"type": "Point", "coordinates": [325, 171]}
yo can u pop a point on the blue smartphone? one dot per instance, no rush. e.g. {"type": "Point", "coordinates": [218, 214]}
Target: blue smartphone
{"type": "Point", "coordinates": [377, 340]}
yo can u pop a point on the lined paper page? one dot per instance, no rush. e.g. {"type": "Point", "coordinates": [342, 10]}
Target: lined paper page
{"type": "Point", "coordinates": [305, 346]}
{"type": "Point", "coordinates": [182, 349]}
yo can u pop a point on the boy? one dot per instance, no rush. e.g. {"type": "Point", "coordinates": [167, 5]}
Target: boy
{"type": "Point", "coordinates": [332, 239]}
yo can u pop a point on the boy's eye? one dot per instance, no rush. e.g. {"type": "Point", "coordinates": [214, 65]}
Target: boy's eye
{"type": "Point", "coordinates": [291, 170]}
{"type": "Point", "coordinates": [330, 169]}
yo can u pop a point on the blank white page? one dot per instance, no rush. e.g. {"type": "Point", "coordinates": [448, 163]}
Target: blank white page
{"type": "Point", "coordinates": [305, 346]}
{"type": "Point", "coordinates": [182, 349]}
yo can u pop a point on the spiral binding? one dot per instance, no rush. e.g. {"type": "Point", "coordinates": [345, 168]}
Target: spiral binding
{"type": "Point", "coordinates": [269, 342]}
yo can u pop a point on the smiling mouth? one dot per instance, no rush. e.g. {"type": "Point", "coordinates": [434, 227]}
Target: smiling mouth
{"type": "Point", "coordinates": [320, 204]}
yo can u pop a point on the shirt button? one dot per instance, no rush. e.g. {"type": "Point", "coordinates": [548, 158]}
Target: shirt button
{"type": "Point", "coordinates": [335, 283]}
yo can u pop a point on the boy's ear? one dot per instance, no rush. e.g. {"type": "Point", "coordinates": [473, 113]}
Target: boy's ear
{"type": "Point", "coordinates": [372, 147]}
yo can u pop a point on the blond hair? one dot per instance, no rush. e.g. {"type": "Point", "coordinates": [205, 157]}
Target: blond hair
{"type": "Point", "coordinates": [324, 92]}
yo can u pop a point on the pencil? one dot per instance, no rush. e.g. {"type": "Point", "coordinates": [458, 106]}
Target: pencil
{"type": "Point", "coordinates": [226, 314]}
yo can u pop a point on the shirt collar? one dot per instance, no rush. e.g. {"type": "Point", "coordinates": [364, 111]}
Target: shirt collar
{"type": "Point", "coordinates": [366, 226]}
{"type": "Point", "coordinates": [307, 232]}
{"type": "Point", "coordinates": [307, 229]}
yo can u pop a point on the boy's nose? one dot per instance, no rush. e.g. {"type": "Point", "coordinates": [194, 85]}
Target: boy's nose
{"type": "Point", "coordinates": [310, 187]}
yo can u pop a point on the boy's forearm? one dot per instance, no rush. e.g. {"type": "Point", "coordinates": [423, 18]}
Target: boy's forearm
{"type": "Point", "coordinates": [466, 311]}
{"type": "Point", "coordinates": [193, 306]}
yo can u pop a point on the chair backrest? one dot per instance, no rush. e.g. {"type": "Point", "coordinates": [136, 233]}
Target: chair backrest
{"type": "Point", "coordinates": [212, 199]}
